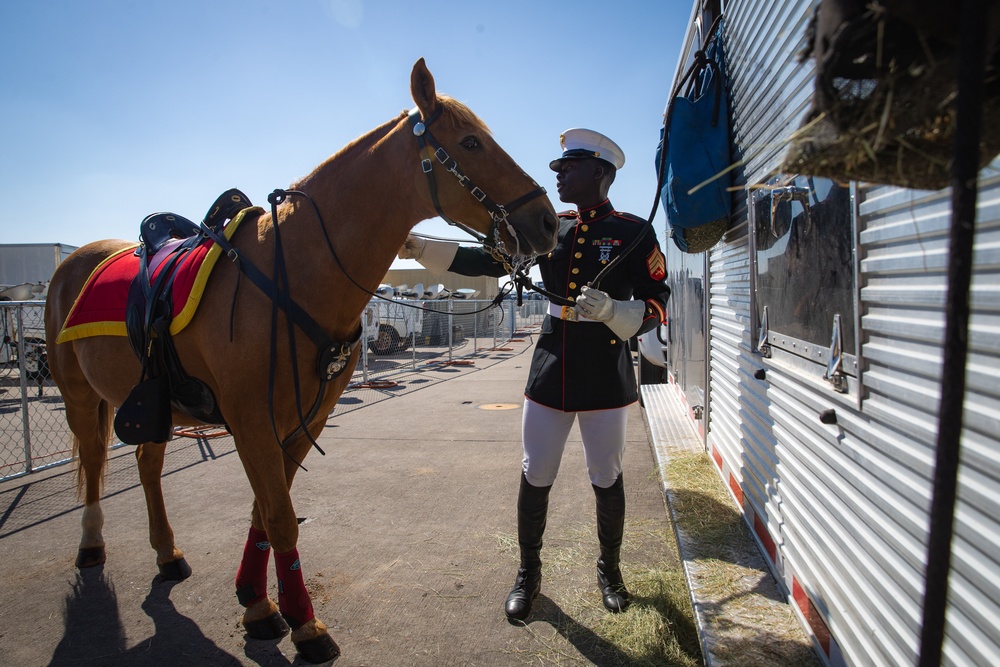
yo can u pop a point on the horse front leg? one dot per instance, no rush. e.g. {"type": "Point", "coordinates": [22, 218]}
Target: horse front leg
{"type": "Point", "coordinates": [262, 619]}
{"type": "Point", "coordinates": [273, 507]}
{"type": "Point", "coordinates": [169, 559]}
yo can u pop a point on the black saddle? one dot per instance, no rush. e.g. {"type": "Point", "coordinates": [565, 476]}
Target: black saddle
{"type": "Point", "coordinates": [145, 416]}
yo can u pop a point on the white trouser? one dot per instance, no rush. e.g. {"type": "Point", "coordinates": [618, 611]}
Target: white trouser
{"type": "Point", "coordinates": [543, 435]}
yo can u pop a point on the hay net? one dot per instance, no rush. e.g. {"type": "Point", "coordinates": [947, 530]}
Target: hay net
{"type": "Point", "coordinates": [883, 108]}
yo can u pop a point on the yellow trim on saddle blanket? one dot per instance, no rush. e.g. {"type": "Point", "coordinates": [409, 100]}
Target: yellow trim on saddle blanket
{"type": "Point", "coordinates": [182, 319]}
{"type": "Point", "coordinates": [94, 328]}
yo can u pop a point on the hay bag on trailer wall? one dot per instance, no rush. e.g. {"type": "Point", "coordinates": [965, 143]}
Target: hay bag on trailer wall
{"type": "Point", "coordinates": [693, 157]}
{"type": "Point", "coordinates": [883, 108]}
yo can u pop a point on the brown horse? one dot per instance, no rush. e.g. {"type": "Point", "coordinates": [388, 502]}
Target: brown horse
{"type": "Point", "coordinates": [367, 197]}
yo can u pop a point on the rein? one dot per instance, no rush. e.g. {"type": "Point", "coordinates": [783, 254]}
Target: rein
{"type": "Point", "coordinates": [660, 175]}
{"type": "Point", "coordinates": [522, 279]}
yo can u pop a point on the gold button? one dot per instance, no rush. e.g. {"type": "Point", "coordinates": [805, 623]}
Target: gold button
{"type": "Point", "coordinates": [584, 228]}
{"type": "Point", "coordinates": [550, 255]}
{"type": "Point", "coordinates": [604, 261]}
{"type": "Point", "coordinates": [576, 270]}
{"type": "Point", "coordinates": [578, 255]}
{"type": "Point", "coordinates": [572, 285]}
{"type": "Point", "coordinates": [571, 298]}
{"type": "Point", "coordinates": [581, 241]}
{"type": "Point", "coordinates": [614, 342]}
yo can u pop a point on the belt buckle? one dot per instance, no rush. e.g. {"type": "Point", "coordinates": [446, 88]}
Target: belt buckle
{"type": "Point", "coordinates": [569, 313]}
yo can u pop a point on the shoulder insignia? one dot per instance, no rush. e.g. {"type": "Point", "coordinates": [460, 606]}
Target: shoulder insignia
{"type": "Point", "coordinates": [568, 214]}
{"type": "Point", "coordinates": [629, 217]}
{"type": "Point", "coordinates": [656, 264]}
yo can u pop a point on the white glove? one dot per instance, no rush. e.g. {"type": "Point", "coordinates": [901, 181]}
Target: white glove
{"type": "Point", "coordinates": [413, 248]}
{"type": "Point", "coordinates": [623, 317]}
{"type": "Point", "coordinates": [435, 256]}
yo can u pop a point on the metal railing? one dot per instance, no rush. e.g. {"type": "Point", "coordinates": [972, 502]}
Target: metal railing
{"type": "Point", "coordinates": [33, 431]}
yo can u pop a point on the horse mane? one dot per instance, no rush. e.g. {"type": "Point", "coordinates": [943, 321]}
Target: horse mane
{"type": "Point", "coordinates": [457, 113]}
{"type": "Point", "coordinates": [461, 114]}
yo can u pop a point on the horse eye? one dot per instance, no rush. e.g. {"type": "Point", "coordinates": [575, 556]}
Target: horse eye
{"type": "Point", "coordinates": [470, 143]}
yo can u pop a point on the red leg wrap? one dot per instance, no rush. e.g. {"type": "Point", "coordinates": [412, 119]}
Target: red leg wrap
{"type": "Point", "coordinates": [251, 577]}
{"type": "Point", "coordinates": [293, 600]}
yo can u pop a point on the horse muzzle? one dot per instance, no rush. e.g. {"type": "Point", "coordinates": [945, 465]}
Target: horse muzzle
{"type": "Point", "coordinates": [531, 231]}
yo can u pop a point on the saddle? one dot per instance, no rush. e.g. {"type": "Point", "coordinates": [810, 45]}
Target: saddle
{"type": "Point", "coordinates": [166, 240]}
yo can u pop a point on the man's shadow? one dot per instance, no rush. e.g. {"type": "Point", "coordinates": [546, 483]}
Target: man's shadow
{"type": "Point", "coordinates": [94, 633]}
{"type": "Point", "coordinates": [599, 651]}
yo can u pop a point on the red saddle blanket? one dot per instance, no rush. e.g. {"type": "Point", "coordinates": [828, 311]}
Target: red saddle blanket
{"type": "Point", "coordinates": [99, 310]}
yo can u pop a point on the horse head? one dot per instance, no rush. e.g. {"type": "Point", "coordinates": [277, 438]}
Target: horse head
{"type": "Point", "coordinates": [478, 186]}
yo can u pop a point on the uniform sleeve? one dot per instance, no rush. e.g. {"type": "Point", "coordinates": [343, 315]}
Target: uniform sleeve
{"type": "Point", "coordinates": [648, 269]}
{"type": "Point", "coordinates": [476, 262]}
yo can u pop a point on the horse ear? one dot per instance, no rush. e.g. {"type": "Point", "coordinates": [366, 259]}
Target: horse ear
{"type": "Point", "coordinates": [422, 88]}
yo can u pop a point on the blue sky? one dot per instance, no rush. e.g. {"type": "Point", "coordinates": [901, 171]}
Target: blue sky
{"type": "Point", "coordinates": [114, 109]}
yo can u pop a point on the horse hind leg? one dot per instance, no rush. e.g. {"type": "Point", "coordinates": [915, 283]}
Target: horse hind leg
{"type": "Point", "coordinates": [169, 559]}
{"type": "Point", "coordinates": [91, 429]}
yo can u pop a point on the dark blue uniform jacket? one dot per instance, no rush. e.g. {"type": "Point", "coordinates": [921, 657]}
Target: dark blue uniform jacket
{"type": "Point", "coordinates": [584, 365]}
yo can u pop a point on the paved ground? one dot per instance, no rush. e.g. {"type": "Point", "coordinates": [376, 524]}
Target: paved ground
{"type": "Point", "coordinates": [407, 541]}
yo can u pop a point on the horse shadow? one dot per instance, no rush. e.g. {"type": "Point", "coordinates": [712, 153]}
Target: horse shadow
{"type": "Point", "coordinates": [94, 633]}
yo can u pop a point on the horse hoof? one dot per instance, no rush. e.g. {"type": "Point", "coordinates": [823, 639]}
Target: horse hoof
{"type": "Point", "coordinates": [271, 627]}
{"type": "Point", "coordinates": [321, 648]}
{"type": "Point", "coordinates": [175, 570]}
{"type": "Point", "coordinates": [90, 557]}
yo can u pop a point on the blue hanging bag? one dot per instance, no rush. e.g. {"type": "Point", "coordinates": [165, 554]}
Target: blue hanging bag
{"type": "Point", "coordinates": [693, 157]}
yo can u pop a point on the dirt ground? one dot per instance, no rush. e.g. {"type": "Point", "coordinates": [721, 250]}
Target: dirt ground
{"type": "Point", "coordinates": [407, 543]}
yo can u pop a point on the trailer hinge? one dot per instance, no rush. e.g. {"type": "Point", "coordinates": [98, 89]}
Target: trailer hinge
{"type": "Point", "coordinates": [762, 345]}
{"type": "Point", "coordinates": [835, 366]}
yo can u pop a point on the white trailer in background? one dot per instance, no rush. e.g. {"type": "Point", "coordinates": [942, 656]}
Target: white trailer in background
{"type": "Point", "coordinates": [25, 272]}
{"type": "Point", "coordinates": [30, 264]}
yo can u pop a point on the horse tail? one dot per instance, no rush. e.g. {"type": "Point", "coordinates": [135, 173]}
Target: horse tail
{"type": "Point", "coordinates": [102, 435]}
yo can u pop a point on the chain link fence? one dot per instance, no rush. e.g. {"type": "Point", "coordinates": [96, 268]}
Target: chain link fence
{"type": "Point", "coordinates": [402, 341]}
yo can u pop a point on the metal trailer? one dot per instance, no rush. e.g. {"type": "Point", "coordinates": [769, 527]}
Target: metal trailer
{"type": "Point", "coordinates": [831, 457]}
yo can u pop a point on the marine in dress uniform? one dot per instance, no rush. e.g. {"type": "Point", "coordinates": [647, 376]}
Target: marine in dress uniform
{"type": "Point", "coordinates": [582, 365]}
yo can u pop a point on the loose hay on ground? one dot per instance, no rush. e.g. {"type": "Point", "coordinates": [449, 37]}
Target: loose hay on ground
{"type": "Point", "coordinates": [742, 606]}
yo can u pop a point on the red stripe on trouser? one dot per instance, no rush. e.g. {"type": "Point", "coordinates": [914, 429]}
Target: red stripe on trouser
{"type": "Point", "coordinates": [293, 600]}
{"type": "Point", "coordinates": [252, 573]}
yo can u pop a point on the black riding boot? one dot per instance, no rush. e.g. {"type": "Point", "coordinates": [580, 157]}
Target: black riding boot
{"type": "Point", "coordinates": [532, 506]}
{"type": "Point", "coordinates": [610, 527]}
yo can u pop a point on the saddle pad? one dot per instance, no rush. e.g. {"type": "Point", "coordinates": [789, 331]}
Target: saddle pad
{"type": "Point", "coordinates": [99, 310]}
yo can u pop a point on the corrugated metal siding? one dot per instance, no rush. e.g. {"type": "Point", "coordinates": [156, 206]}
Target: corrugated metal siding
{"type": "Point", "coordinates": [905, 239]}
{"type": "Point", "coordinates": [845, 506]}
{"type": "Point", "coordinates": [772, 89]}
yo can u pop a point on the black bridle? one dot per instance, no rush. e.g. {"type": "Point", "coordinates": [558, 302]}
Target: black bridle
{"type": "Point", "coordinates": [334, 355]}
{"type": "Point", "coordinates": [432, 150]}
